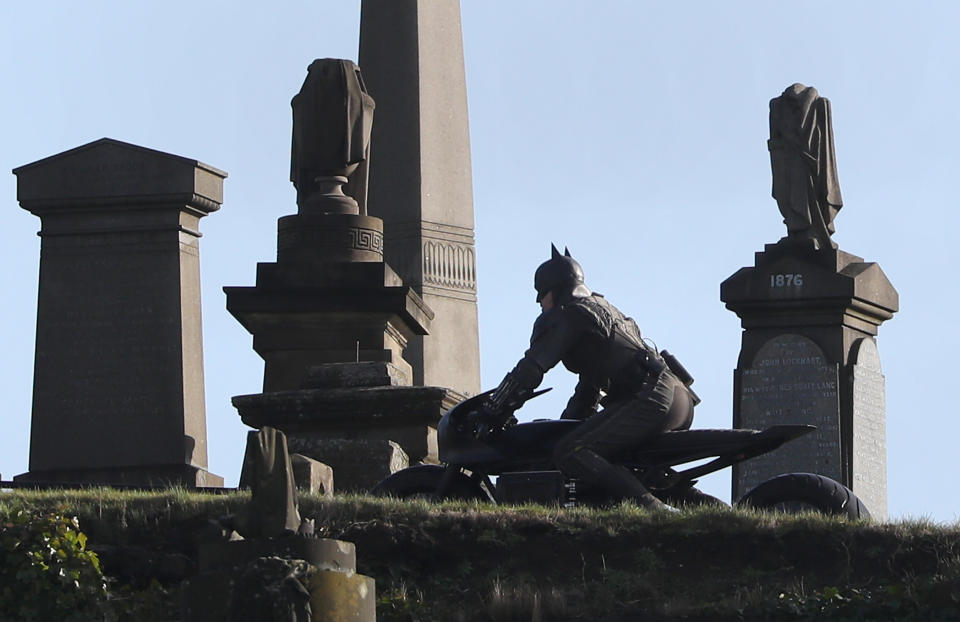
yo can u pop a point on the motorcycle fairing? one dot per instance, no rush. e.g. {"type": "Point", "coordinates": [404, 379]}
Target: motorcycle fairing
{"type": "Point", "coordinates": [533, 441]}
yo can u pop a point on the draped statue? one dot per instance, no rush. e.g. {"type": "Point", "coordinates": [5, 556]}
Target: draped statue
{"type": "Point", "coordinates": [804, 166]}
{"type": "Point", "coordinates": [332, 121]}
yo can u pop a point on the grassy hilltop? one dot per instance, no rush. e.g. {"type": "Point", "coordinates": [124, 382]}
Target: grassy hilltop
{"type": "Point", "coordinates": [456, 562]}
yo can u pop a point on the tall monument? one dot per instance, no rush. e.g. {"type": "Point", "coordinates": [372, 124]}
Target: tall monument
{"type": "Point", "coordinates": [330, 317]}
{"type": "Point", "coordinates": [411, 52]}
{"type": "Point", "coordinates": [810, 314]}
{"type": "Point", "coordinates": [118, 393]}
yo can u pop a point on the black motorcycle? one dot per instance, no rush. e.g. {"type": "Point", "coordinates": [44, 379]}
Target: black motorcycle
{"type": "Point", "coordinates": [521, 455]}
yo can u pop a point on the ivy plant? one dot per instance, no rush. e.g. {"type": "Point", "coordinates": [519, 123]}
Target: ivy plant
{"type": "Point", "coordinates": [46, 571]}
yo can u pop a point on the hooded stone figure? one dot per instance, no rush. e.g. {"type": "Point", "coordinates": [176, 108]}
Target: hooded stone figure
{"type": "Point", "coordinates": [804, 166]}
{"type": "Point", "coordinates": [332, 121]}
{"type": "Point", "coordinates": [267, 471]}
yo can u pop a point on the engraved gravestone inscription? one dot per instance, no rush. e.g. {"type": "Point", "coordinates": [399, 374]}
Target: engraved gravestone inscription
{"type": "Point", "coordinates": [869, 428]}
{"type": "Point", "coordinates": [790, 382]}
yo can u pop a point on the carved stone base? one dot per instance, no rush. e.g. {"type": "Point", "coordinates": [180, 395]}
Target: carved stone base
{"type": "Point", "coordinates": [304, 315]}
{"type": "Point", "coordinates": [148, 477]}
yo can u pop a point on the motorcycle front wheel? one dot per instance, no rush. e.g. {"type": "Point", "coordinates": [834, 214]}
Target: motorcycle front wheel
{"type": "Point", "coordinates": [423, 481]}
{"type": "Point", "coordinates": [796, 492]}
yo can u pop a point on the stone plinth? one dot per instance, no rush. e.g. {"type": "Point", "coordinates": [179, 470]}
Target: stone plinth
{"type": "Point", "coordinates": [355, 417]}
{"type": "Point", "coordinates": [306, 310]}
{"type": "Point", "coordinates": [118, 394]}
{"type": "Point", "coordinates": [411, 52]}
{"type": "Point", "coordinates": [808, 356]}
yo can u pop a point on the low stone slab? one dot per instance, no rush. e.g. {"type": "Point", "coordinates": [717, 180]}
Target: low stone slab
{"type": "Point", "coordinates": [312, 475]}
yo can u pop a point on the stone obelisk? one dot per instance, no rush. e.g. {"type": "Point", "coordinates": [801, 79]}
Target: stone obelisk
{"type": "Point", "coordinates": [411, 53]}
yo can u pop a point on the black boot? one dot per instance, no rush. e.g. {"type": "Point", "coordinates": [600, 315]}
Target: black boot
{"type": "Point", "coordinates": [624, 484]}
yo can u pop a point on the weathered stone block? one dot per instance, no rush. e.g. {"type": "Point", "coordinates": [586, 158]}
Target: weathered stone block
{"type": "Point", "coordinates": [311, 475]}
{"type": "Point", "coordinates": [358, 464]}
{"type": "Point", "coordinates": [342, 597]}
{"type": "Point", "coordinates": [361, 374]}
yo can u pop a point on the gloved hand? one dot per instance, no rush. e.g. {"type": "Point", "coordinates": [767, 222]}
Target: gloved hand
{"type": "Point", "coordinates": [487, 422]}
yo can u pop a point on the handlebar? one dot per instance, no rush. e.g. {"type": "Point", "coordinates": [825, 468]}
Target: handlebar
{"type": "Point", "coordinates": [484, 423]}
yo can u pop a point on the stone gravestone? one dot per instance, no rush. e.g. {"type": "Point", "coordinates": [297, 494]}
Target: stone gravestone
{"type": "Point", "coordinates": [118, 395]}
{"type": "Point", "coordinates": [789, 380]}
{"type": "Point", "coordinates": [810, 315]}
{"type": "Point", "coordinates": [411, 53]}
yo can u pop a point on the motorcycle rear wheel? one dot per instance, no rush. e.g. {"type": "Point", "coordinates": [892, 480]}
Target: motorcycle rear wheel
{"type": "Point", "coordinates": [797, 492]}
{"type": "Point", "coordinates": [422, 482]}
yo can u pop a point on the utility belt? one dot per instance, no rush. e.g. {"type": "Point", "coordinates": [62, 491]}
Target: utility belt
{"type": "Point", "coordinates": [652, 367]}
{"type": "Point", "coordinates": [640, 375]}
{"type": "Point", "coordinates": [645, 372]}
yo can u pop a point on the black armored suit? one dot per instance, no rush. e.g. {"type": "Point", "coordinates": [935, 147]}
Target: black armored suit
{"type": "Point", "coordinates": [640, 396]}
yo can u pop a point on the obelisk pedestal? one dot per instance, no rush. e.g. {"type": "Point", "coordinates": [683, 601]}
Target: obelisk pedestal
{"type": "Point", "coordinates": [118, 394]}
{"type": "Point", "coordinates": [809, 356]}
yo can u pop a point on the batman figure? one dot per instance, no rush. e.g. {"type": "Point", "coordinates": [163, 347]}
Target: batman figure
{"type": "Point", "coordinates": [626, 393]}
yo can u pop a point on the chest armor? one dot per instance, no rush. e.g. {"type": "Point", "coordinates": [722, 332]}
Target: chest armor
{"type": "Point", "coordinates": [609, 348]}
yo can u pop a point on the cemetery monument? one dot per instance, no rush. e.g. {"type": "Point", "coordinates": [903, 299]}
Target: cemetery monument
{"type": "Point", "coordinates": [810, 315]}
{"type": "Point", "coordinates": [118, 394]}
{"type": "Point", "coordinates": [330, 317]}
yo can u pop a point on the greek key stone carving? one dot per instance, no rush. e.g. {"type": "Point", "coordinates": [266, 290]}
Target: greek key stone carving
{"type": "Point", "coordinates": [290, 238]}
{"type": "Point", "coordinates": [365, 239]}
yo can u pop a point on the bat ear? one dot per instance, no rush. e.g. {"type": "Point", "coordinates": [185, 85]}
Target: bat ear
{"type": "Point", "coordinates": [566, 252]}
{"type": "Point", "coordinates": [554, 253]}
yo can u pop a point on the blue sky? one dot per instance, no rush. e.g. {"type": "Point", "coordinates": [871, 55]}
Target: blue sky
{"type": "Point", "coordinates": [633, 132]}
